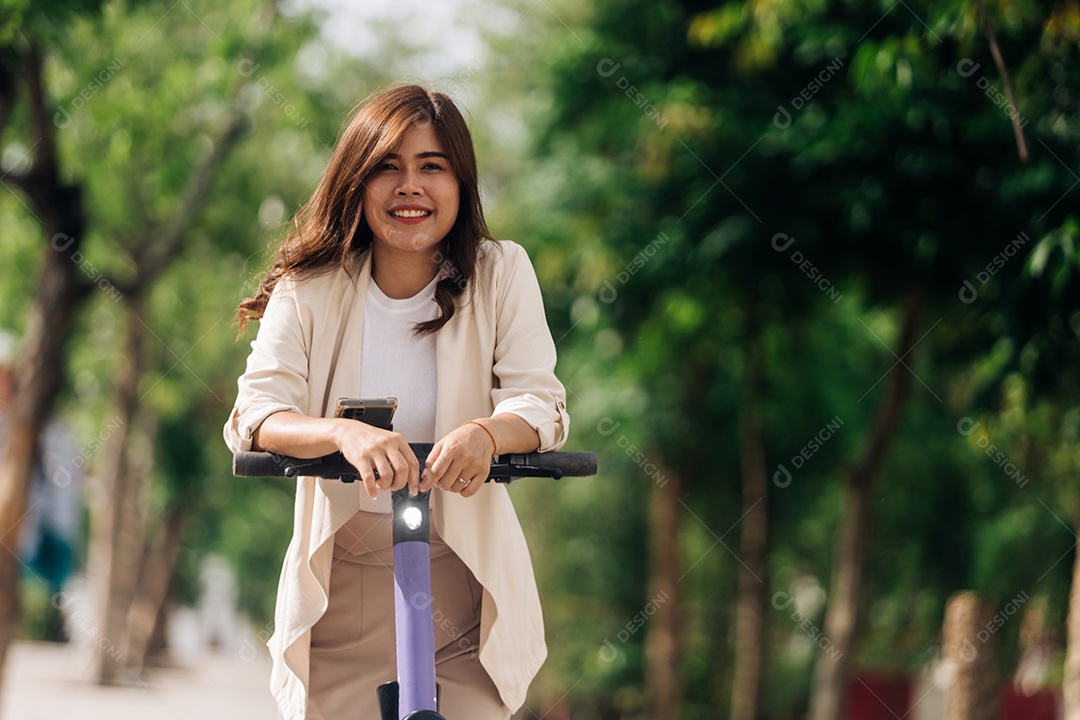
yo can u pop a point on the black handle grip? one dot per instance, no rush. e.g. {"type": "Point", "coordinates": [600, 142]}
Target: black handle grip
{"type": "Point", "coordinates": [570, 464]}
{"type": "Point", "coordinates": [260, 464]}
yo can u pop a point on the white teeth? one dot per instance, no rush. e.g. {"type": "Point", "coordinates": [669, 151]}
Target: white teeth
{"type": "Point", "coordinates": [411, 213]}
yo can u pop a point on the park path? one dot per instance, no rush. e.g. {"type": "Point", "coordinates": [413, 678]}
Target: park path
{"type": "Point", "coordinates": [45, 681]}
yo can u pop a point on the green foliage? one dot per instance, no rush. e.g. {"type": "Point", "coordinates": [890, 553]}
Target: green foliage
{"type": "Point", "coordinates": [860, 131]}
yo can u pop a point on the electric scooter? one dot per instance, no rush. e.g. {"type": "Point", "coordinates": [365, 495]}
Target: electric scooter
{"type": "Point", "coordinates": [414, 695]}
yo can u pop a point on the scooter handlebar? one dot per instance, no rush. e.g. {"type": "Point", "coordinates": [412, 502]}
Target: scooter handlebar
{"type": "Point", "coordinates": [260, 464]}
{"type": "Point", "coordinates": [504, 467]}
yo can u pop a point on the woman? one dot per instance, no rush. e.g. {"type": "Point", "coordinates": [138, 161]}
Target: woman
{"type": "Point", "coordinates": [390, 285]}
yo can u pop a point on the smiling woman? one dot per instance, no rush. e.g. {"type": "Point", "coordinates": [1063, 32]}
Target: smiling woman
{"type": "Point", "coordinates": [390, 285]}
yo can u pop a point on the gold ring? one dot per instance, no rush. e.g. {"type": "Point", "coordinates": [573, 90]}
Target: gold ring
{"type": "Point", "coordinates": [466, 482]}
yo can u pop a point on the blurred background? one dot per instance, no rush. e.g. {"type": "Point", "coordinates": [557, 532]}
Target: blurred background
{"type": "Point", "coordinates": [811, 267]}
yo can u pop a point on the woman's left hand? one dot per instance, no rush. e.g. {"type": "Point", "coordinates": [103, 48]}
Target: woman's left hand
{"type": "Point", "coordinates": [460, 462]}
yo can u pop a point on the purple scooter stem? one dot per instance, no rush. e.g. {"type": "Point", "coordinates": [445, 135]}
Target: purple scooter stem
{"type": "Point", "coordinates": [415, 627]}
{"type": "Point", "coordinates": [415, 695]}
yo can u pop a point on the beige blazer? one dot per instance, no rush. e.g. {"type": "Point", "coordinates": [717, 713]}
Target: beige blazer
{"type": "Point", "coordinates": [495, 355]}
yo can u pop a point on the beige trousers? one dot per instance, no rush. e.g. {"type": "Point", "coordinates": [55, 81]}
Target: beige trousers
{"type": "Point", "coordinates": [352, 645]}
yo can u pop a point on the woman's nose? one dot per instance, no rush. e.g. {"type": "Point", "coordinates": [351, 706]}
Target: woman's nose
{"type": "Point", "coordinates": [410, 184]}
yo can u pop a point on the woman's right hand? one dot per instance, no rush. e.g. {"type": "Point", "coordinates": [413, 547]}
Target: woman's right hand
{"type": "Point", "coordinates": [383, 458]}
{"type": "Point", "coordinates": [368, 448]}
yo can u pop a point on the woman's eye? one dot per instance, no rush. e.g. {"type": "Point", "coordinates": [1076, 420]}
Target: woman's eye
{"type": "Point", "coordinates": [387, 166]}
{"type": "Point", "coordinates": [433, 166]}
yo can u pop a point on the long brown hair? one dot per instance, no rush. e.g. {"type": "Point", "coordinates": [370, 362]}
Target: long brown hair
{"type": "Point", "coordinates": [329, 231]}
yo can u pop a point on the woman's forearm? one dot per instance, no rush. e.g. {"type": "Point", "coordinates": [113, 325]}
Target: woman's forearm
{"type": "Point", "coordinates": [512, 434]}
{"type": "Point", "coordinates": [296, 435]}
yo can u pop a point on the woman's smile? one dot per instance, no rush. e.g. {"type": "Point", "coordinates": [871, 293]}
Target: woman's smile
{"type": "Point", "coordinates": [410, 214]}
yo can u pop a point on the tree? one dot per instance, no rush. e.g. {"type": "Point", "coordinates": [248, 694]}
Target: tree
{"type": "Point", "coordinates": [842, 137]}
{"type": "Point", "coordinates": [57, 205]}
{"type": "Point", "coordinates": [150, 149]}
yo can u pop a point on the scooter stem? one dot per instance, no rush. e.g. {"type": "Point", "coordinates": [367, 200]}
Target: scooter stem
{"type": "Point", "coordinates": [415, 626]}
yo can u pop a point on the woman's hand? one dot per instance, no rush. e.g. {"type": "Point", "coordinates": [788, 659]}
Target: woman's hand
{"type": "Point", "coordinates": [460, 462]}
{"type": "Point", "coordinates": [384, 458]}
{"type": "Point", "coordinates": [465, 453]}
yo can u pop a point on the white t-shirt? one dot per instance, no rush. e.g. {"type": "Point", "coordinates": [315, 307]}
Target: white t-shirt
{"type": "Point", "coordinates": [396, 362]}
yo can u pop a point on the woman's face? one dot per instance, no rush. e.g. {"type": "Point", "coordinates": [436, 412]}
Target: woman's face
{"type": "Point", "coordinates": [411, 200]}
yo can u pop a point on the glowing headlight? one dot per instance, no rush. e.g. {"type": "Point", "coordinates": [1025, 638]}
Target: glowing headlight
{"type": "Point", "coordinates": [412, 517]}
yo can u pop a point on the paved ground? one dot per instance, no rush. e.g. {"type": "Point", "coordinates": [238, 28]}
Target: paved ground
{"type": "Point", "coordinates": [48, 682]}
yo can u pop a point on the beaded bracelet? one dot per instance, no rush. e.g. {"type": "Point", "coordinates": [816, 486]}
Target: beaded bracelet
{"type": "Point", "coordinates": [494, 445]}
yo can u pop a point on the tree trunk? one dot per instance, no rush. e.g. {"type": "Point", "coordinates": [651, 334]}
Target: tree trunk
{"type": "Point", "coordinates": [753, 571]}
{"type": "Point", "coordinates": [157, 646]}
{"type": "Point", "coordinates": [41, 368]}
{"type": "Point", "coordinates": [833, 671]}
{"type": "Point", "coordinates": [1070, 684]}
{"type": "Point", "coordinates": [39, 375]}
{"type": "Point", "coordinates": [969, 658]}
{"type": "Point", "coordinates": [662, 648]}
{"type": "Point", "coordinates": [114, 552]}
{"type": "Point", "coordinates": [153, 590]}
